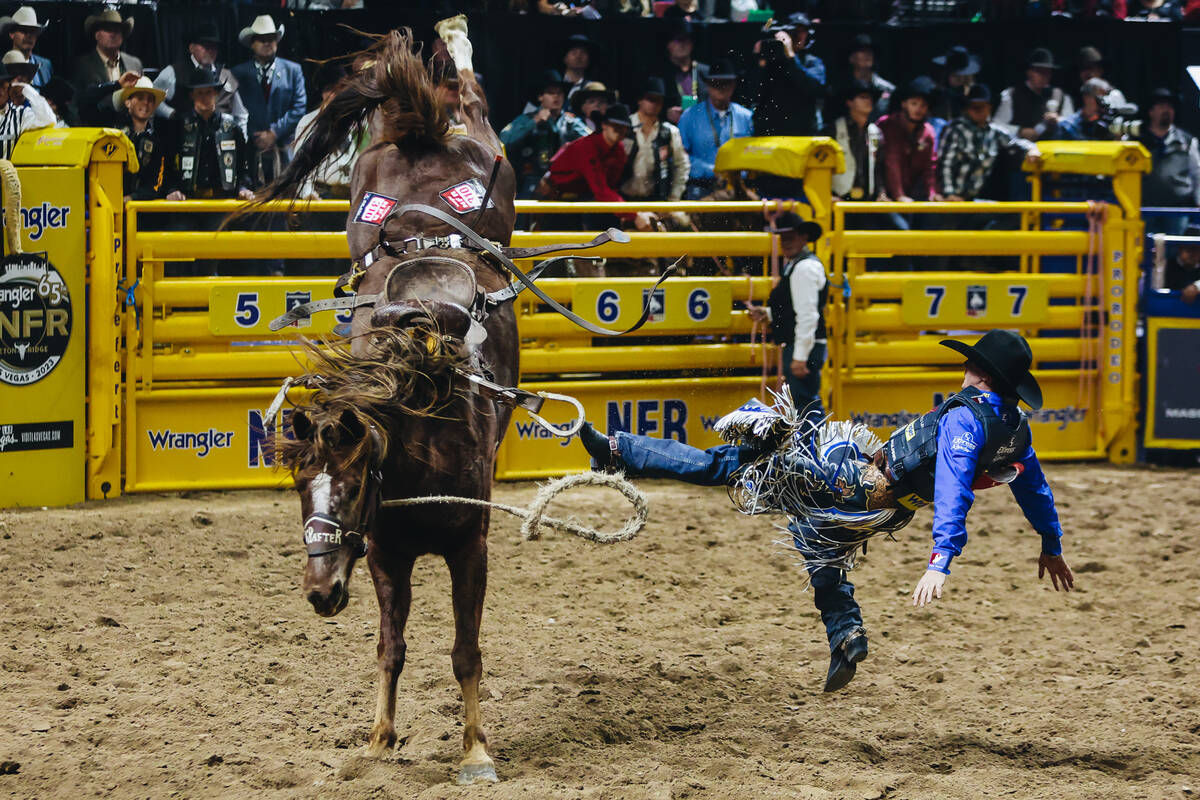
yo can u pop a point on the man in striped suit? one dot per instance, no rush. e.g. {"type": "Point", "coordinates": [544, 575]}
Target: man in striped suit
{"type": "Point", "coordinates": [21, 107]}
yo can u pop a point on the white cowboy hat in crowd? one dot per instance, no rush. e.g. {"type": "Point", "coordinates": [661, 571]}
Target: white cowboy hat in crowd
{"type": "Point", "coordinates": [143, 84]}
{"type": "Point", "coordinates": [23, 17]}
{"type": "Point", "coordinates": [263, 25]}
{"type": "Point", "coordinates": [109, 16]}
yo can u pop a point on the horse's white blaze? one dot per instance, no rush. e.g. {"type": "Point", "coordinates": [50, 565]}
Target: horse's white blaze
{"type": "Point", "coordinates": [319, 490]}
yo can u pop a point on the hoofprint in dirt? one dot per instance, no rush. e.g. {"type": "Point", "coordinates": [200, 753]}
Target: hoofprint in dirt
{"type": "Point", "coordinates": [159, 646]}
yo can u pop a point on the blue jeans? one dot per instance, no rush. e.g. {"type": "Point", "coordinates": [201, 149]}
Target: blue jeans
{"type": "Point", "coordinates": [806, 392]}
{"type": "Point", "coordinates": [647, 457]}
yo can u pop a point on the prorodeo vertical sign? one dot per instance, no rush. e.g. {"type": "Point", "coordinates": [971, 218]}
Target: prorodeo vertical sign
{"type": "Point", "coordinates": [35, 319]}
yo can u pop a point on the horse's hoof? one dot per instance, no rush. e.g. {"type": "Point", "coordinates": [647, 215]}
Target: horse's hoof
{"type": "Point", "coordinates": [477, 773]}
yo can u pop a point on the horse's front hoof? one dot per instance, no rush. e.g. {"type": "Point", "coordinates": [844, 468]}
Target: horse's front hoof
{"type": "Point", "coordinates": [382, 741]}
{"type": "Point", "coordinates": [477, 773]}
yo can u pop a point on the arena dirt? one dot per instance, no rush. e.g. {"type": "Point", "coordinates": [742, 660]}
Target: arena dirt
{"type": "Point", "coordinates": [159, 647]}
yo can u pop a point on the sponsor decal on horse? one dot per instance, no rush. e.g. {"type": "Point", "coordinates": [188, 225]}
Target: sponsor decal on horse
{"type": "Point", "coordinates": [202, 442]}
{"type": "Point", "coordinates": [35, 319]}
{"type": "Point", "coordinates": [375, 208]}
{"type": "Point", "coordinates": [320, 529]}
{"type": "Point", "coordinates": [466, 196]}
{"type": "Point", "coordinates": [36, 436]}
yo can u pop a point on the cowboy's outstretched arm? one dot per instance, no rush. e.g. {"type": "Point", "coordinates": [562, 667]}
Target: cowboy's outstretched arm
{"type": "Point", "coordinates": [960, 436]}
{"type": "Point", "coordinates": [1033, 495]}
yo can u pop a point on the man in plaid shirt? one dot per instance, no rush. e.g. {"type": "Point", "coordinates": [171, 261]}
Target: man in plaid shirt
{"type": "Point", "coordinates": [970, 148]}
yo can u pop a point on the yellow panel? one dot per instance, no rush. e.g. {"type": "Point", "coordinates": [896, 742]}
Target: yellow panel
{"type": "Point", "coordinates": [248, 308]}
{"type": "Point", "coordinates": [964, 301]}
{"type": "Point", "coordinates": [676, 304]}
{"type": "Point", "coordinates": [42, 429]}
{"type": "Point", "coordinates": [788, 156]}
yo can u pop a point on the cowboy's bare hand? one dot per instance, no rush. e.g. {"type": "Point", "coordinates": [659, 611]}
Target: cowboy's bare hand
{"type": "Point", "coordinates": [176, 196]}
{"type": "Point", "coordinates": [1059, 571]}
{"type": "Point", "coordinates": [757, 313]}
{"type": "Point", "coordinates": [128, 79]}
{"type": "Point", "coordinates": [644, 221]}
{"type": "Point", "coordinates": [1034, 156]}
{"type": "Point", "coordinates": [799, 369]}
{"type": "Point", "coordinates": [265, 140]}
{"type": "Point", "coordinates": [1189, 293]}
{"type": "Point", "coordinates": [929, 587]}
{"type": "Point", "coordinates": [786, 38]}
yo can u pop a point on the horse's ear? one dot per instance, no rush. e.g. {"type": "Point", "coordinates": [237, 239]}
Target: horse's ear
{"type": "Point", "coordinates": [350, 428]}
{"type": "Point", "coordinates": [302, 426]}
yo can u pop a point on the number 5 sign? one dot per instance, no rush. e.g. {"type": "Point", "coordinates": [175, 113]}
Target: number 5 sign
{"type": "Point", "coordinates": [951, 301]}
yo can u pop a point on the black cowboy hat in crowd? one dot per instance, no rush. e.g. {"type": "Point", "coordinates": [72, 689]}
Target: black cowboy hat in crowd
{"type": "Point", "coordinates": [796, 20]}
{"type": "Point", "coordinates": [921, 86]}
{"type": "Point", "coordinates": [958, 60]}
{"type": "Point", "coordinates": [791, 221]}
{"type": "Point", "coordinates": [979, 93]}
{"type": "Point", "coordinates": [862, 41]}
{"type": "Point", "coordinates": [201, 78]}
{"type": "Point", "coordinates": [1162, 95]}
{"type": "Point", "coordinates": [550, 77]}
{"type": "Point", "coordinates": [1006, 357]}
{"type": "Point", "coordinates": [58, 90]}
{"type": "Point", "coordinates": [618, 114]}
{"type": "Point", "coordinates": [653, 86]}
{"type": "Point", "coordinates": [203, 33]}
{"type": "Point", "coordinates": [857, 86]}
{"type": "Point", "coordinates": [722, 70]}
{"type": "Point", "coordinates": [579, 40]}
{"type": "Point", "coordinates": [1041, 58]}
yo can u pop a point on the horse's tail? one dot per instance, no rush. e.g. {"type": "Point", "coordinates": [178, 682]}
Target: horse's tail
{"type": "Point", "coordinates": [391, 81]}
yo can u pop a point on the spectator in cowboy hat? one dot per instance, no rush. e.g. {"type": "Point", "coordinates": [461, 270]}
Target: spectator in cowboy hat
{"type": "Point", "coordinates": [590, 168]}
{"type": "Point", "coordinates": [202, 43]}
{"type": "Point", "coordinates": [685, 78]}
{"type": "Point", "coordinates": [705, 127]}
{"type": "Point", "coordinates": [807, 85]}
{"type": "Point", "coordinates": [970, 150]}
{"type": "Point", "coordinates": [21, 107]}
{"type": "Point", "coordinates": [148, 133]}
{"type": "Point", "coordinates": [588, 105]}
{"type": "Point", "coordinates": [862, 68]}
{"type": "Point", "coordinates": [908, 150]}
{"type": "Point", "coordinates": [1174, 178]}
{"type": "Point", "coordinates": [272, 89]}
{"type": "Point", "coordinates": [656, 168]}
{"type": "Point", "coordinates": [535, 136]}
{"type": "Point", "coordinates": [1033, 109]}
{"type": "Point", "coordinates": [958, 67]}
{"type": "Point", "coordinates": [106, 68]}
{"type": "Point", "coordinates": [24, 29]}
{"type": "Point", "coordinates": [1091, 63]}
{"type": "Point", "coordinates": [859, 139]}
{"type": "Point", "coordinates": [59, 93]}
{"type": "Point", "coordinates": [578, 53]}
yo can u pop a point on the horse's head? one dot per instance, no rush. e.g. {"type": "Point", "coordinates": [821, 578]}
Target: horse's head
{"type": "Point", "coordinates": [339, 496]}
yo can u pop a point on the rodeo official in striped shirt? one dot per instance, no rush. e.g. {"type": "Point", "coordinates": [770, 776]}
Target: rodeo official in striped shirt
{"type": "Point", "coordinates": [23, 108]}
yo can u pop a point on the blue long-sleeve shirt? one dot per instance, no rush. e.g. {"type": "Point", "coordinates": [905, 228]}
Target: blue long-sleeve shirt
{"type": "Point", "coordinates": [704, 129]}
{"type": "Point", "coordinates": [960, 437]}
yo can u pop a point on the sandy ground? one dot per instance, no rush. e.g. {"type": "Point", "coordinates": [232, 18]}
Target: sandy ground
{"type": "Point", "coordinates": [159, 647]}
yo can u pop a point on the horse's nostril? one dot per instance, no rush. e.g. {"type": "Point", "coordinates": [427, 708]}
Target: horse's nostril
{"type": "Point", "coordinates": [336, 589]}
{"type": "Point", "coordinates": [315, 599]}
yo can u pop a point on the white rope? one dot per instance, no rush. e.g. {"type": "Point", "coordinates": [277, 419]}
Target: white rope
{"type": "Point", "coordinates": [534, 514]}
{"type": "Point", "coordinates": [11, 182]}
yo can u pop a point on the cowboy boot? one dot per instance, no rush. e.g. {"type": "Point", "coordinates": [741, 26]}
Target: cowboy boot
{"type": "Point", "coordinates": [602, 449]}
{"type": "Point", "coordinates": [843, 660]}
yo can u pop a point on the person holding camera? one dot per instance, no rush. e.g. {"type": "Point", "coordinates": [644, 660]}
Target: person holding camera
{"type": "Point", "coordinates": [1097, 118]}
{"type": "Point", "coordinates": [791, 82]}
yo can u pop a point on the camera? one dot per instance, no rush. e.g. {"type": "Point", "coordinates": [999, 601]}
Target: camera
{"type": "Point", "coordinates": [770, 50]}
{"type": "Point", "coordinates": [1119, 120]}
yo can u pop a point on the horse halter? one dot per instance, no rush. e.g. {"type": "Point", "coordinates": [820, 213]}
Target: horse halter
{"type": "Point", "coordinates": [323, 533]}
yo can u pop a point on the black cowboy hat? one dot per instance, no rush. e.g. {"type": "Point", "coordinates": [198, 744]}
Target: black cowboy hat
{"type": "Point", "coordinates": [856, 87]}
{"type": "Point", "coordinates": [588, 90]}
{"type": "Point", "coordinates": [958, 60]}
{"type": "Point", "coordinates": [201, 78]}
{"type": "Point", "coordinates": [795, 20]}
{"type": "Point", "coordinates": [550, 77]}
{"type": "Point", "coordinates": [1041, 58]}
{"type": "Point", "coordinates": [979, 93]}
{"type": "Point", "coordinates": [1162, 95]}
{"type": "Point", "coordinates": [722, 70]}
{"type": "Point", "coordinates": [618, 114]}
{"type": "Point", "coordinates": [1006, 357]}
{"type": "Point", "coordinates": [791, 221]}
{"type": "Point", "coordinates": [202, 33]}
{"type": "Point", "coordinates": [921, 86]}
{"type": "Point", "coordinates": [653, 85]}
{"type": "Point", "coordinates": [58, 90]}
{"type": "Point", "coordinates": [579, 40]}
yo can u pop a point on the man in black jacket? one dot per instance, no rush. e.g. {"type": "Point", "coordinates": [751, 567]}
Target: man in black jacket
{"type": "Point", "coordinates": [103, 70]}
{"type": "Point", "coordinates": [149, 137]}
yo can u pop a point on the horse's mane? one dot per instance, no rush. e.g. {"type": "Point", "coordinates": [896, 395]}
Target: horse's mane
{"type": "Point", "coordinates": [392, 82]}
{"type": "Point", "coordinates": [405, 372]}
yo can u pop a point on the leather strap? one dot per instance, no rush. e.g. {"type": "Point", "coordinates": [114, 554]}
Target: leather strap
{"type": "Point", "coordinates": [610, 235]}
{"type": "Point", "coordinates": [305, 310]}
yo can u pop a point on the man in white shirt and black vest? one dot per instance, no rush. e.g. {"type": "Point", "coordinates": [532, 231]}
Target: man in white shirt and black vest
{"type": "Point", "coordinates": [796, 311]}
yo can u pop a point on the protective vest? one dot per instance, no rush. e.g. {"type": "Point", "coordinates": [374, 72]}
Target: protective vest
{"type": "Point", "coordinates": [912, 450]}
{"type": "Point", "coordinates": [225, 140]}
{"type": "Point", "coordinates": [843, 182]}
{"type": "Point", "coordinates": [664, 164]}
{"type": "Point", "coordinates": [783, 312]}
{"type": "Point", "coordinates": [1028, 106]}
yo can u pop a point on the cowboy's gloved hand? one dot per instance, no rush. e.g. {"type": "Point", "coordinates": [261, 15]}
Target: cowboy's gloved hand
{"type": "Point", "coordinates": [929, 587]}
{"type": "Point", "coordinates": [1059, 571]}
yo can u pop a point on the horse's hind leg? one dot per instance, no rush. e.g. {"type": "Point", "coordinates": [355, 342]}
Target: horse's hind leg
{"type": "Point", "coordinates": [393, 588]}
{"type": "Point", "coordinates": [468, 577]}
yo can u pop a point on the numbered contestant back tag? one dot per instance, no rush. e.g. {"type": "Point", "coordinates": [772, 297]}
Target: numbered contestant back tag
{"type": "Point", "coordinates": [940, 301]}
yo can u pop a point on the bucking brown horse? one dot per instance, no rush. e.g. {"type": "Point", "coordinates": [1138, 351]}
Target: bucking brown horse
{"type": "Point", "coordinates": [391, 417]}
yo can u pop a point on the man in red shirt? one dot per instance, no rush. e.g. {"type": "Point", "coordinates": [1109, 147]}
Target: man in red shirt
{"type": "Point", "coordinates": [908, 146]}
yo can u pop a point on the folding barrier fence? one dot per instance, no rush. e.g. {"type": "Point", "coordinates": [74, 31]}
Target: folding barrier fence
{"type": "Point", "coordinates": [180, 371]}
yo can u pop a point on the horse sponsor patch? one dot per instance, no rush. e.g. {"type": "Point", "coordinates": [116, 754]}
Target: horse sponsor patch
{"type": "Point", "coordinates": [375, 208]}
{"type": "Point", "coordinates": [322, 530]}
{"type": "Point", "coordinates": [466, 196]}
